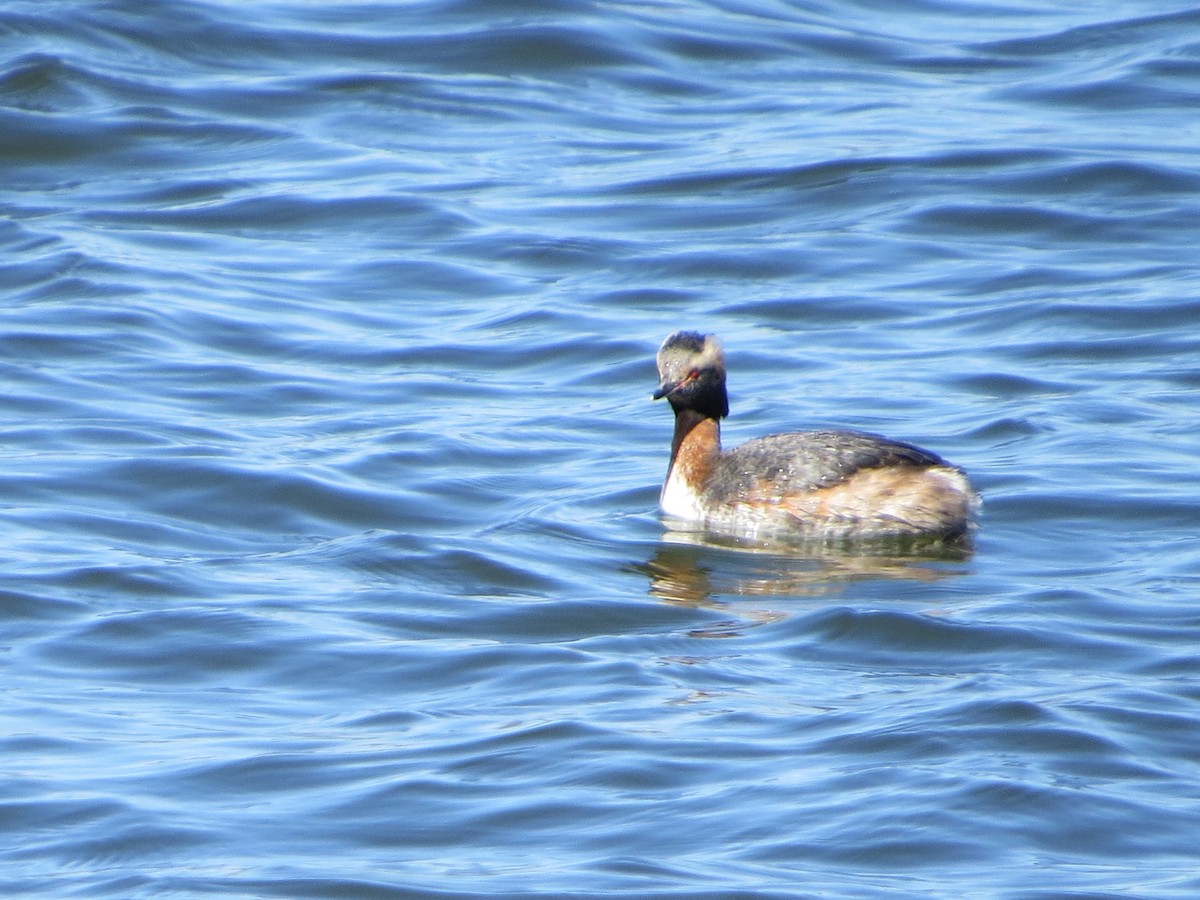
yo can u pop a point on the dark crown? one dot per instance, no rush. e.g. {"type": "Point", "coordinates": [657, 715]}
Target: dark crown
{"type": "Point", "coordinates": [692, 341]}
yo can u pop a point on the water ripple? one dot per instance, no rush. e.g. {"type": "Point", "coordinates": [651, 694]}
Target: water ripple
{"type": "Point", "coordinates": [331, 468]}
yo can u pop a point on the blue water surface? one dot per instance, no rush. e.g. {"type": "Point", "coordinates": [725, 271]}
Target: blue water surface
{"type": "Point", "coordinates": [331, 560]}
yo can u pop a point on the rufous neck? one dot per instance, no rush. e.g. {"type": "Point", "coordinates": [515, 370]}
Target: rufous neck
{"type": "Point", "coordinates": [696, 435]}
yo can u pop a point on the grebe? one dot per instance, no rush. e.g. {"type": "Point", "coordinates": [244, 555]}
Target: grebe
{"type": "Point", "coordinates": [811, 484]}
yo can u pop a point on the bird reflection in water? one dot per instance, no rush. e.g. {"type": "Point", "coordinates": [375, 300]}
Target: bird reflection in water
{"type": "Point", "coordinates": [696, 568]}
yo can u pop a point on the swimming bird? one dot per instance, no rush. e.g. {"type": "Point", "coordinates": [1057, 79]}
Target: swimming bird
{"type": "Point", "coordinates": [808, 484]}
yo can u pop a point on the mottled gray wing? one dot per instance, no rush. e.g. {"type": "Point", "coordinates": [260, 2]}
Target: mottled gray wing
{"type": "Point", "coordinates": [810, 460]}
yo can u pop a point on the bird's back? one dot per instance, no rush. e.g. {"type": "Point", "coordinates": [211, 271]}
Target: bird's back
{"type": "Point", "coordinates": [779, 465]}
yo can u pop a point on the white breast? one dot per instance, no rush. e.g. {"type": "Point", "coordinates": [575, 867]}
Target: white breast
{"type": "Point", "coordinates": [678, 499]}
